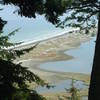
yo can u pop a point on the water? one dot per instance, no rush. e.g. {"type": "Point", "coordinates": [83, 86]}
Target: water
{"type": "Point", "coordinates": [82, 62]}
{"type": "Point", "coordinates": [62, 86]}
{"type": "Point", "coordinates": [33, 29]}
{"type": "Point", "coordinates": [30, 28]}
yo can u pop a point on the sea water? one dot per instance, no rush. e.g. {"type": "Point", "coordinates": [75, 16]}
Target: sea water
{"type": "Point", "coordinates": [81, 63]}
{"type": "Point", "coordinates": [29, 28]}
{"type": "Point", "coordinates": [62, 86]}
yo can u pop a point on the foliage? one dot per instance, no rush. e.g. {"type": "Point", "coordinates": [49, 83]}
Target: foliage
{"type": "Point", "coordinates": [2, 23]}
{"type": "Point", "coordinates": [51, 9]}
{"type": "Point", "coordinates": [82, 14]}
{"type": "Point", "coordinates": [26, 95]}
{"type": "Point", "coordinates": [13, 77]}
{"type": "Point", "coordinates": [73, 91]}
{"type": "Point", "coordinates": [79, 13]}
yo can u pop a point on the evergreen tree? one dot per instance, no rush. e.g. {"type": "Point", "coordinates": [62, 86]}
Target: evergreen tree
{"type": "Point", "coordinates": [79, 13]}
{"type": "Point", "coordinates": [13, 77]}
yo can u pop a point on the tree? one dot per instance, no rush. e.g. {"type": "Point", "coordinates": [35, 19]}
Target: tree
{"type": "Point", "coordinates": [51, 9]}
{"type": "Point", "coordinates": [2, 23]}
{"type": "Point", "coordinates": [84, 14]}
{"type": "Point", "coordinates": [13, 77]}
{"type": "Point", "coordinates": [73, 91]}
{"type": "Point", "coordinates": [80, 13]}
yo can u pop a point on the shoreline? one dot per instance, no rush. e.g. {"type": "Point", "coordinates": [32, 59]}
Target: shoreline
{"type": "Point", "coordinates": [45, 39]}
{"type": "Point", "coordinates": [53, 50]}
{"type": "Point", "coordinates": [34, 61]}
{"type": "Point", "coordinates": [55, 46]}
{"type": "Point", "coordinates": [57, 76]}
{"type": "Point", "coordinates": [55, 66]}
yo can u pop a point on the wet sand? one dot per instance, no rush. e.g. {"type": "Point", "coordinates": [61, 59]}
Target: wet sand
{"type": "Point", "coordinates": [53, 50]}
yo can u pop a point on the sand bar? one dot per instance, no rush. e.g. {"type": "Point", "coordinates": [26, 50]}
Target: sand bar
{"type": "Point", "coordinates": [53, 50]}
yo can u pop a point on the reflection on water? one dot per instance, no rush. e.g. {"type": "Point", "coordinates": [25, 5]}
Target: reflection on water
{"type": "Point", "coordinates": [59, 87]}
{"type": "Point", "coordinates": [82, 62]}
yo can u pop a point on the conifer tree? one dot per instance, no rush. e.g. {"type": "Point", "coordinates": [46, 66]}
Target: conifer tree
{"type": "Point", "coordinates": [79, 13]}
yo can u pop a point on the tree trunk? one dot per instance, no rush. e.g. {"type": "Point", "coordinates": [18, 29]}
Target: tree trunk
{"type": "Point", "coordinates": [94, 90]}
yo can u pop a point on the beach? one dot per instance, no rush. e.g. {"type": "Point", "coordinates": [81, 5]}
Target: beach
{"type": "Point", "coordinates": [61, 56]}
{"type": "Point", "coordinates": [53, 50]}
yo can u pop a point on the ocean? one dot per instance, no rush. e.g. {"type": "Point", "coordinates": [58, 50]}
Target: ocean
{"type": "Point", "coordinates": [29, 28]}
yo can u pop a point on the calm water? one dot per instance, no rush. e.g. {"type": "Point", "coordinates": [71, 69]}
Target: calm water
{"type": "Point", "coordinates": [30, 29]}
{"type": "Point", "coordinates": [59, 87]}
{"type": "Point", "coordinates": [82, 62]}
